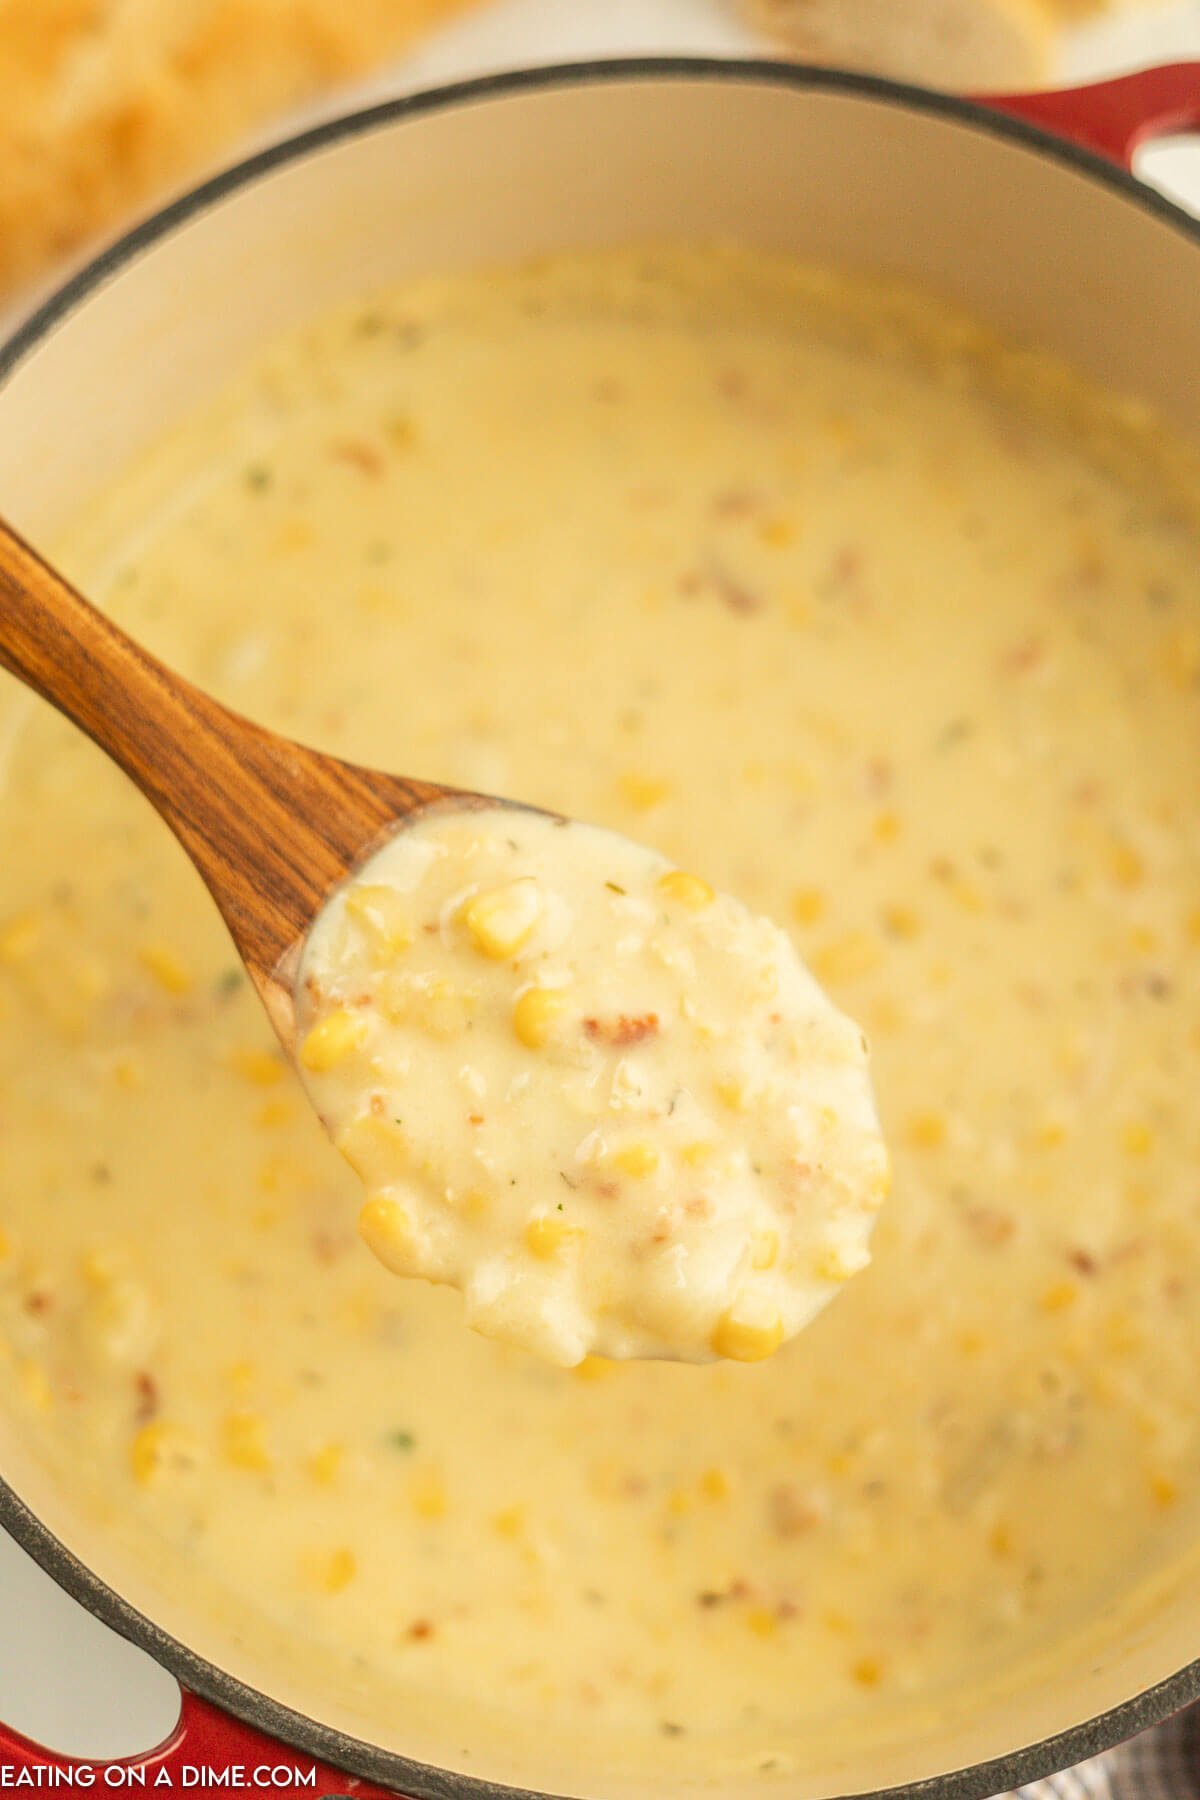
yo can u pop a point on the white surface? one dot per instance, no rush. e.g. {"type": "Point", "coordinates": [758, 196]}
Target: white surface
{"type": "Point", "coordinates": [64, 1679]}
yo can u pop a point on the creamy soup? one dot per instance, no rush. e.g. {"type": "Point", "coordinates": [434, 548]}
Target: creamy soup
{"type": "Point", "coordinates": [812, 586]}
{"type": "Point", "coordinates": [609, 1104]}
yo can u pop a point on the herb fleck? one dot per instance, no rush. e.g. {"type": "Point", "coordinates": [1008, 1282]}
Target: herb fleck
{"type": "Point", "coordinates": [401, 1440]}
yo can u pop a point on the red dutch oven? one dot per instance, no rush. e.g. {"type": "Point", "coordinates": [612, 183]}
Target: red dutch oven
{"type": "Point", "coordinates": [1023, 210]}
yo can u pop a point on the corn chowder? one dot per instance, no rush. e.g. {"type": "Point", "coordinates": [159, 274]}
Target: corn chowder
{"type": "Point", "coordinates": [866, 619]}
{"type": "Point", "coordinates": [606, 1102]}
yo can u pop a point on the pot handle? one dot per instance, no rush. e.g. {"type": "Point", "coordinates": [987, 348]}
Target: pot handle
{"type": "Point", "coordinates": [205, 1741]}
{"type": "Point", "coordinates": [1112, 118]}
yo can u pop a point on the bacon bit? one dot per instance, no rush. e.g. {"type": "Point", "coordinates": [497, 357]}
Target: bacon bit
{"type": "Point", "coordinates": [622, 1030]}
{"type": "Point", "coordinates": [733, 593]}
{"type": "Point", "coordinates": [845, 568]}
{"type": "Point", "coordinates": [989, 1225]}
{"type": "Point", "coordinates": [421, 1629]}
{"type": "Point", "coordinates": [792, 1513]}
{"type": "Point", "coordinates": [1023, 657]}
{"type": "Point", "coordinates": [878, 776]}
{"type": "Point", "coordinates": [325, 1247]}
{"type": "Point", "coordinates": [474, 1118]}
{"type": "Point", "coordinates": [698, 1207]}
{"type": "Point", "coordinates": [378, 1105]}
{"type": "Point", "coordinates": [1083, 1262]}
{"type": "Point", "coordinates": [360, 455]}
{"type": "Point", "coordinates": [643, 499]}
{"type": "Point", "coordinates": [146, 1389]}
{"type": "Point", "coordinates": [39, 1302]}
{"type": "Point", "coordinates": [734, 503]}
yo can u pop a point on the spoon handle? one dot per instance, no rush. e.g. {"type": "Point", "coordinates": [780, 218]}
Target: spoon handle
{"type": "Point", "coordinates": [271, 826]}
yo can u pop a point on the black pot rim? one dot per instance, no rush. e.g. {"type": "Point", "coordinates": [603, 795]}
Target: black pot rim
{"type": "Point", "coordinates": [195, 1673]}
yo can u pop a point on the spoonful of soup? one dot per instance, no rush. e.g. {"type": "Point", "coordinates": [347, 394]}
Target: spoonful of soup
{"type": "Point", "coordinates": [606, 1102]}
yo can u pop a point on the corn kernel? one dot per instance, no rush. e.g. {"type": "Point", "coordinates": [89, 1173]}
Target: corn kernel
{"type": "Point", "coordinates": [867, 1671]}
{"type": "Point", "coordinates": [165, 968]}
{"type": "Point", "coordinates": [5, 1246]}
{"type": "Point", "coordinates": [127, 1073]}
{"type": "Point", "coordinates": [764, 1248]}
{"type": "Point", "coordinates": [158, 1449]}
{"type": "Point", "coordinates": [695, 1154]}
{"type": "Point", "coordinates": [1059, 1296]}
{"type": "Point", "coordinates": [846, 958]}
{"type": "Point", "coordinates": [777, 533]}
{"type": "Point", "coordinates": [901, 921]}
{"type": "Point", "coordinates": [1126, 866]}
{"type": "Point", "coordinates": [501, 920]}
{"type": "Point", "coordinates": [547, 1236]}
{"type": "Point", "coordinates": [744, 1339]}
{"type": "Point", "coordinates": [679, 1502]}
{"type": "Point", "coordinates": [261, 1068]}
{"type": "Point", "coordinates": [325, 1464]}
{"type": "Point", "coordinates": [594, 1368]}
{"type": "Point", "coordinates": [243, 1441]}
{"type": "Point", "coordinates": [386, 1229]}
{"type": "Point", "coordinates": [637, 1160]}
{"type": "Point", "coordinates": [1137, 1139]}
{"type": "Point", "coordinates": [535, 1013]}
{"type": "Point", "coordinates": [429, 1496]}
{"type": "Point", "coordinates": [374, 1147]}
{"type": "Point", "coordinates": [1182, 658]}
{"type": "Point", "coordinates": [1164, 1490]}
{"type": "Point", "coordinates": [808, 905]}
{"type": "Point", "coordinates": [762, 1622]}
{"type": "Point", "coordinates": [274, 1112]}
{"type": "Point", "coordinates": [885, 828]}
{"type": "Point", "coordinates": [334, 1571]}
{"type": "Point", "coordinates": [332, 1039]}
{"type": "Point", "coordinates": [509, 1522]}
{"type": "Point", "coordinates": [686, 890]}
{"type": "Point", "coordinates": [1192, 925]}
{"type": "Point", "coordinates": [926, 1131]}
{"type": "Point", "coordinates": [642, 792]}
{"type": "Point", "coordinates": [731, 1093]}
{"type": "Point", "coordinates": [35, 1384]}
{"type": "Point", "coordinates": [20, 937]}
{"type": "Point", "coordinates": [838, 1262]}
{"type": "Point", "coordinates": [475, 1205]}
{"type": "Point", "coordinates": [714, 1484]}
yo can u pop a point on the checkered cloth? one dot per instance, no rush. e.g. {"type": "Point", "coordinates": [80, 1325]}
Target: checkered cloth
{"type": "Point", "coordinates": [1163, 1764]}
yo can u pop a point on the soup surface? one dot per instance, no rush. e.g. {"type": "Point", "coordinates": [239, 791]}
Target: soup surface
{"type": "Point", "coordinates": [811, 585]}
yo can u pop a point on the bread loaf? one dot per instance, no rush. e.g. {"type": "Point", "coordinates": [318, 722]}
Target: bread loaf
{"type": "Point", "coordinates": [957, 44]}
{"type": "Point", "coordinates": [106, 103]}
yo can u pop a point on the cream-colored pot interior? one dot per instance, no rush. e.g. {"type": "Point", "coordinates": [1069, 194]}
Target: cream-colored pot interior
{"type": "Point", "coordinates": [1039, 247]}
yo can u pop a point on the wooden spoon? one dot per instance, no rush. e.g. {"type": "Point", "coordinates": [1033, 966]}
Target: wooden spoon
{"type": "Point", "coordinates": [272, 826]}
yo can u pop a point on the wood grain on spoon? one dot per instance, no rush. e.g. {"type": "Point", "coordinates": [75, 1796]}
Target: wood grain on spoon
{"type": "Point", "coordinates": [272, 826]}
